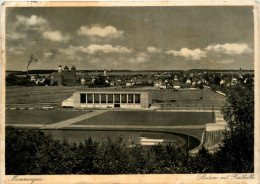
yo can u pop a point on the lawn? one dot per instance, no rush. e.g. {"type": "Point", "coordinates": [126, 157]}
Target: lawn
{"type": "Point", "coordinates": [40, 94]}
{"type": "Point", "coordinates": [189, 98]}
{"type": "Point", "coordinates": [39, 116]}
{"type": "Point", "coordinates": [149, 118]}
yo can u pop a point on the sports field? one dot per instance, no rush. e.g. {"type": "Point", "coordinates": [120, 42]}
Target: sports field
{"type": "Point", "coordinates": [150, 118]}
{"type": "Point", "coordinates": [144, 120]}
{"type": "Point", "coordinates": [39, 116]}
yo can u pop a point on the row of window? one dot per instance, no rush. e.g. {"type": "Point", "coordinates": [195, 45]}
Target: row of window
{"type": "Point", "coordinates": [88, 98]}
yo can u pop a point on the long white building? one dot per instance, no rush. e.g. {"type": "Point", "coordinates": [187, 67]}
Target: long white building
{"type": "Point", "coordinates": [109, 99]}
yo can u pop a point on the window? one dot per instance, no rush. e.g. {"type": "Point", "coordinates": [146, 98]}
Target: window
{"type": "Point", "coordinates": [82, 98]}
{"type": "Point", "coordinates": [137, 98]}
{"type": "Point", "coordinates": [103, 98]}
{"type": "Point", "coordinates": [123, 98]}
{"type": "Point", "coordinates": [130, 98]}
{"type": "Point", "coordinates": [96, 98]}
{"type": "Point", "coordinates": [90, 98]}
{"type": "Point", "coordinates": [117, 98]}
{"type": "Point", "coordinates": [109, 98]}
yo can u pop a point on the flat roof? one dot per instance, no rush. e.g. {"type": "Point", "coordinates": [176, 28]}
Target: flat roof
{"type": "Point", "coordinates": [112, 91]}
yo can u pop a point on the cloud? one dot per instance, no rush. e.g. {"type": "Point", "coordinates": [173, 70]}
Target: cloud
{"type": "Point", "coordinates": [152, 49]}
{"type": "Point", "coordinates": [227, 61]}
{"type": "Point", "coordinates": [96, 31]}
{"type": "Point", "coordinates": [55, 36]}
{"type": "Point", "coordinates": [16, 50]}
{"type": "Point", "coordinates": [195, 54]}
{"type": "Point", "coordinates": [227, 49]}
{"type": "Point", "coordinates": [48, 54]}
{"type": "Point", "coordinates": [92, 49]}
{"type": "Point", "coordinates": [230, 48]}
{"type": "Point", "coordinates": [22, 25]}
{"type": "Point", "coordinates": [31, 23]}
{"type": "Point", "coordinates": [139, 58]}
{"type": "Point", "coordinates": [72, 52]}
{"type": "Point", "coordinates": [16, 36]}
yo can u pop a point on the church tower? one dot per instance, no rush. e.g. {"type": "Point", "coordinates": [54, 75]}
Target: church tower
{"type": "Point", "coordinates": [60, 69]}
{"type": "Point", "coordinates": [73, 70]}
{"type": "Point", "coordinates": [66, 68]}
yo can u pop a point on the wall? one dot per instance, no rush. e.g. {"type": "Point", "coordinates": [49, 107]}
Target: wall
{"type": "Point", "coordinates": [56, 78]}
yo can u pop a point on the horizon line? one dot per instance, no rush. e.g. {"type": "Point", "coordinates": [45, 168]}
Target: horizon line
{"type": "Point", "coordinates": [150, 70]}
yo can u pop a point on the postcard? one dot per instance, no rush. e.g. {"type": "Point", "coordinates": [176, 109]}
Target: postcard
{"type": "Point", "coordinates": [130, 92]}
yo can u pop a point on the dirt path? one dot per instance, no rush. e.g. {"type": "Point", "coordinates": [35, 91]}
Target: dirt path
{"type": "Point", "coordinates": [73, 120]}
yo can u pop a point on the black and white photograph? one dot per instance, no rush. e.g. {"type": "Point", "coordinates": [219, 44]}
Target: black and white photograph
{"type": "Point", "coordinates": [116, 90]}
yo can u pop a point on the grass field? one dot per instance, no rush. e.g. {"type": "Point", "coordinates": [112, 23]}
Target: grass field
{"type": "Point", "coordinates": [190, 98]}
{"type": "Point", "coordinates": [149, 118]}
{"type": "Point", "coordinates": [39, 116]}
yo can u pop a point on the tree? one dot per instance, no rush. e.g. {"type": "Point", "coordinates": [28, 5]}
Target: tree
{"type": "Point", "coordinates": [201, 86]}
{"type": "Point", "coordinates": [101, 81]}
{"type": "Point", "coordinates": [203, 162]}
{"type": "Point", "coordinates": [217, 80]}
{"type": "Point", "coordinates": [237, 151]}
{"type": "Point", "coordinates": [86, 155]}
{"type": "Point", "coordinates": [11, 80]}
{"type": "Point", "coordinates": [113, 157]}
{"type": "Point", "coordinates": [140, 160]}
{"type": "Point", "coordinates": [21, 147]}
{"type": "Point", "coordinates": [184, 80]}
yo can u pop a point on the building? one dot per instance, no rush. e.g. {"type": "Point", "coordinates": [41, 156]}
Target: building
{"type": "Point", "coordinates": [177, 85]}
{"type": "Point", "coordinates": [175, 79]}
{"type": "Point", "coordinates": [188, 82]}
{"type": "Point", "coordinates": [64, 77]}
{"type": "Point", "coordinates": [82, 81]}
{"type": "Point", "coordinates": [163, 85]}
{"type": "Point", "coordinates": [109, 99]}
{"type": "Point", "coordinates": [222, 82]}
{"type": "Point", "coordinates": [233, 82]}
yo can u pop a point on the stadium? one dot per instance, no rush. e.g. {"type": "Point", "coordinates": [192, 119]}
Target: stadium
{"type": "Point", "coordinates": [141, 116]}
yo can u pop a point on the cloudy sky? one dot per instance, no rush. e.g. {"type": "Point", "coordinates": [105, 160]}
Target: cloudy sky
{"type": "Point", "coordinates": [135, 38]}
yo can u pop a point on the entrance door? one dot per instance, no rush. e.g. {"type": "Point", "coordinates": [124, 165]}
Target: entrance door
{"type": "Point", "coordinates": [117, 105]}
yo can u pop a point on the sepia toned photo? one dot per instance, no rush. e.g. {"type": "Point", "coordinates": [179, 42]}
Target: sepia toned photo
{"type": "Point", "coordinates": [117, 92]}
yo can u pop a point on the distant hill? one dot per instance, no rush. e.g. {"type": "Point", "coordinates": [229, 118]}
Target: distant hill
{"type": "Point", "coordinates": [211, 70]}
{"type": "Point", "coordinates": [30, 72]}
{"type": "Point", "coordinates": [123, 71]}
